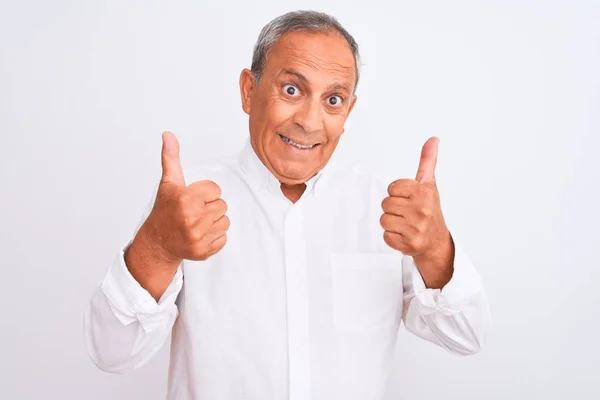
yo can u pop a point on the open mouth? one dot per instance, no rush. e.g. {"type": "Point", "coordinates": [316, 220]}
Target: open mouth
{"type": "Point", "coordinates": [299, 146]}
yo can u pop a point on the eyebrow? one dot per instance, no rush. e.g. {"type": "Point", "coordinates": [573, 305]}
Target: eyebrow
{"type": "Point", "coordinates": [336, 85]}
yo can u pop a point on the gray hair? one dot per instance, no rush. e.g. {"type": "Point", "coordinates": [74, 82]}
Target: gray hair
{"type": "Point", "coordinates": [295, 21]}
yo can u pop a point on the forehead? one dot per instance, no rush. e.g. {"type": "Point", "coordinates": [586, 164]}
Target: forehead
{"type": "Point", "coordinates": [319, 56]}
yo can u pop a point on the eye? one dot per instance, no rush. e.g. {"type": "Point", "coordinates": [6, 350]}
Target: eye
{"type": "Point", "coordinates": [335, 101]}
{"type": "Point", "coordinates": [291, 90]}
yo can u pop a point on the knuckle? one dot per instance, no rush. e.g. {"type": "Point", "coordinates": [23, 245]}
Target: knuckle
{"type": "Point", "coordinates": [395, 188]}
{"type": "Point", "coordinates": [425, 211]}
{"type": "Point", "coordinates": [388, 239]}
{"type": "Point", "coordinates": [197, 236]}
{"type": "Point", "coordinates": [199, 253]}
{"type": "Point", "coordinates": [212, 188]}
{"type": "Point", "coordinates": [220, 207]}
{"type": "Point", "coordinates": [183, 200]}
{"type": "Point", "coordinates": [391, 240]}
{"type": "Point", "coordinates": [385, 204]}
{"type": "Point", "coordinates": [226, 222]}
{"type": "Point", "coordinates": [415, 244]}
{"type": "Point", "coordinates": [425, 190]}
{"type": "Point", "coordinates": [383, 221]}
{"type": "Point", "coordinates": [202, 213]}
{"type": "Point", "coordinates": [217, 244]}
{"type": "Point", "coordinates": [194, 237]}
{"type": "Point", "coordinates": [225, 207]}
{"type": "Point", "coordinates": [390, 188]}
{"type": "Point", "coordinates": [187, 219]}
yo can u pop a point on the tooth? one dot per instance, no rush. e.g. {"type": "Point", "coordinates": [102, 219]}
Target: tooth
{"type": "Point", "coordinates": [297, 145]}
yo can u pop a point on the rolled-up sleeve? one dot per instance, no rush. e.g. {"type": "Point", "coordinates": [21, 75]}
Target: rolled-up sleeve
{"type": "Point", "coordinates": [124, 326]}
{"type": "Point", "coordinates": [456, 317]}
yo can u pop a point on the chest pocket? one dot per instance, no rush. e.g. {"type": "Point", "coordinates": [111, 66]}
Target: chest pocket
{"type": "Point", "coordinates": [366, 291]}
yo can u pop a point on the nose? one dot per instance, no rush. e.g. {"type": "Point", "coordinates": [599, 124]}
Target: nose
{"type": "Point", "coordinates": [309, 117]}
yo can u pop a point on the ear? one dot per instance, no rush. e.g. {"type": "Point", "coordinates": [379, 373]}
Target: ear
{"type": "Point", "coordinates": [247, 86]}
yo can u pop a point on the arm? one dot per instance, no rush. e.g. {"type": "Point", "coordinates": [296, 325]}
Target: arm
{"type": "Point", "coordinates": [124, 323]}
{"type": "Point", "coordinates": [132, 311]}
{"type": "Point", "coordinates": [124, 326]}
{"type": "Point", "coordinates": [444, 301]}
{"type": "Point", "coordinates": [457, 316]}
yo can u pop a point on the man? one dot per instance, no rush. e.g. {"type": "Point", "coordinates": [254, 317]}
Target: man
{"type": "Point", "coordinates": [280, 275]}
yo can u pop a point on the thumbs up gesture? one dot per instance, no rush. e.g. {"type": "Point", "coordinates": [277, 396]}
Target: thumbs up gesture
{"type": "Point", "coordinates": [413, 222]}
{"type": "Point", "coordinates": [186, 222]}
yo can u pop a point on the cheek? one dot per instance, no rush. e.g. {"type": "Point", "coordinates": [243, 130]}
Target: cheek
{"type": "Point", "coordinates": [334, 125]}
{"type": "Point", "coordinates": [276, 112]}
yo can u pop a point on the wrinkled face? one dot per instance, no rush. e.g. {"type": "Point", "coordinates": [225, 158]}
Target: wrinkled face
{"type": "Point", "coordinates": [298, 109]}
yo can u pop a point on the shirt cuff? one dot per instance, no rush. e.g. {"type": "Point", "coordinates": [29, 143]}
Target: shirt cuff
{"type": "Point", "coordinates": [464, 285]}
{"type": "Point", "coordinates": [130, 302]}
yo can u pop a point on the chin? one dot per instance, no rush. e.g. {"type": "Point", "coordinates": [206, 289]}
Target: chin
{"type": "Point", "coordinates": [291, 166]}
{"type": "Point", "coordinates": [293, 177]}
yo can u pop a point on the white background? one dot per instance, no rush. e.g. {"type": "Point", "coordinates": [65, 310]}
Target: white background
{"type": "Point", "coordinates": [512, 88]}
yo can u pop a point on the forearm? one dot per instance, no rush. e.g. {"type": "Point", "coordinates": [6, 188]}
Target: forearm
{"type": "Point", "coordinates": [437, 268]}
{"type": "Point", "coordinates": [457, 316]}
{"type": "Point", "coordinates": [148, 264]}
{"type": "Point", "coordinates": [124, 326]}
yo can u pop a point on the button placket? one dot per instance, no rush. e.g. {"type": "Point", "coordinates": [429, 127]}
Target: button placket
{"type": "Point", "coordinates": [297, 305]}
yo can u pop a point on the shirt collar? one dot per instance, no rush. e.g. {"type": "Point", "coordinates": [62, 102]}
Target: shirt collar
{"type": "Point", "coordinates": [261, 176]}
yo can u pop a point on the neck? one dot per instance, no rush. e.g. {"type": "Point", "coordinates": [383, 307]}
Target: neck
{"type": "Point", "coordinates": [293, 192]}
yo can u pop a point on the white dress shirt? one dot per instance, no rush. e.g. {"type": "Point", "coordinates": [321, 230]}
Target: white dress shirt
{"type": "Point", "coordinates": [304, 301]}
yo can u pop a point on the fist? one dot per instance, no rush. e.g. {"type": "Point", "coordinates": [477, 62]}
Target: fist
{"type": "Point", "coordinates": [186, 222]}
{"type": "Point", "coordinates": [412, 217]}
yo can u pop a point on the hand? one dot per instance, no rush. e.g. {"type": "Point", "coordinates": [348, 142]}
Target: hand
{"type": "Point", "coordinates": [186, 222]}
{"type": "Point", "coordinates": [414, 223]}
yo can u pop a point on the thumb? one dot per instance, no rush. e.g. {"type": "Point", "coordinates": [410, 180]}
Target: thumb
{"type": "Point", "coordinates": [171, 164]}
{"type": "Point", "coordinates": [429, 153]}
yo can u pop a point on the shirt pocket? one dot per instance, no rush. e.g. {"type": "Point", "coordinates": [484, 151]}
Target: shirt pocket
{"type": "Point", "coordinates": [366, 291]}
